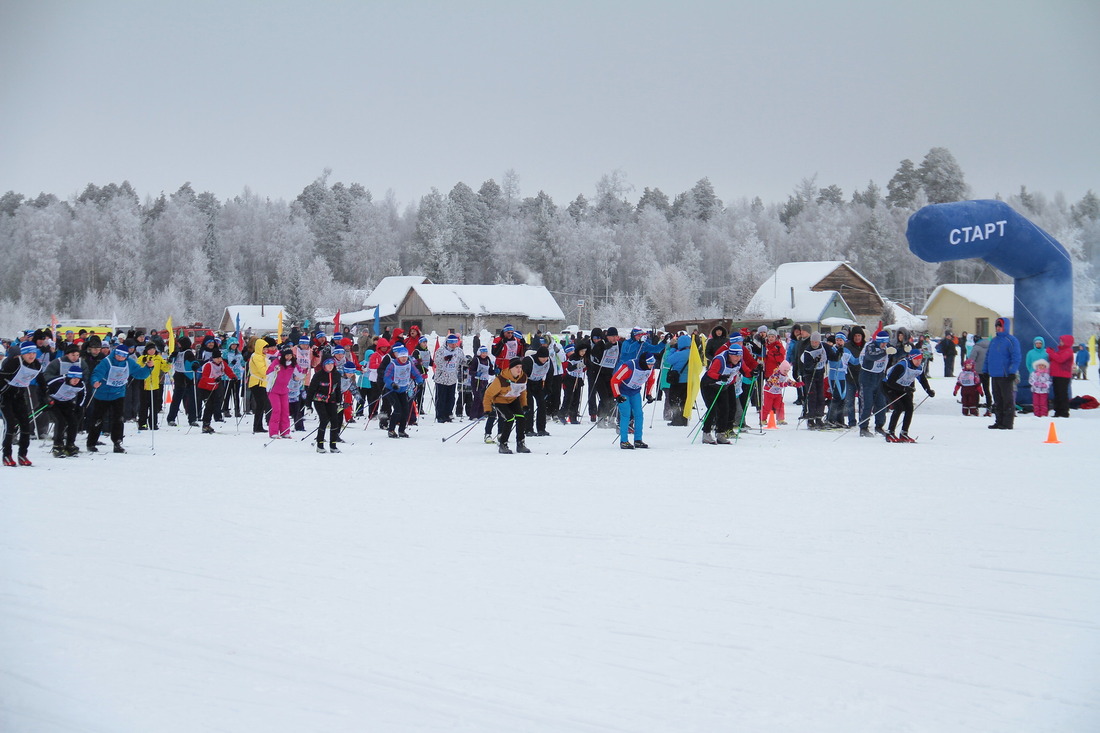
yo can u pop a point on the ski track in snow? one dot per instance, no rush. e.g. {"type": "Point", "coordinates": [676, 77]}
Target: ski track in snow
{"type": "Point", "coordinates": [791, 582]}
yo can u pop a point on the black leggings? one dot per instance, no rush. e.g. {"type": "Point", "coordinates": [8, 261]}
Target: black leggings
{"type": "Point", "coordinates": [331, 416]}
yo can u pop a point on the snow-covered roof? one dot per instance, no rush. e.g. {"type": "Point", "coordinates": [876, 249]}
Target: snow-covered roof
{"type": "Point", "coordinates": [802, 275]}
{"type": "Point", "coordinates": [904, 319]}
{"type": "Point", "coordinates": [773, 297]}
{"type": "Point", "coordinates": [997, 298]}
{"type": "Point", "coordinates": [533, 301]}
{"type": "Point", "coordinates": [260, 318]}
{"type": "Point", "coordinates": [809, 305]}
{"type": "Point", "coordinates": [389, 293]}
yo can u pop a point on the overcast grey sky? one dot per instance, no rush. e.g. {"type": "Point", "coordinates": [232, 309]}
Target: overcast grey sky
{"type": "Point", "coordinates": [410, 95]}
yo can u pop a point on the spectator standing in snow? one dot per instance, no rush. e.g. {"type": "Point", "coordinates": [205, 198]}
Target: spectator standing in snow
{"type": "Point", "coordinates": [1002, 363]}
{"type": "Point", "coordinates": [1061, 374]}
{"type": "Point", "coordinates": [1039, 380]}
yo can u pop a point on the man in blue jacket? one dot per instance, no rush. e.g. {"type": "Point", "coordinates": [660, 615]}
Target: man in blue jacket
{"type": "Point", "coordinates": [109, 380]}
{"type": "Point", "coordinates": [1002, 364]}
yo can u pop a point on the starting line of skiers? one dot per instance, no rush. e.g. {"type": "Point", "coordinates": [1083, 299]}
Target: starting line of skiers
{"type": "Point", "coordinates": [514, 386]}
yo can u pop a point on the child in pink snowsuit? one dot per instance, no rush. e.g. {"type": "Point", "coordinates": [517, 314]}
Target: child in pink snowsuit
{"type": "Point", "coordinates": [279, 374]}
{"type": "Point", "coordinates": [970, 382]}
{"type": "Point", "coordinates": [773, 392]}
{"type": "Point", "coordinates": [1040, 387]}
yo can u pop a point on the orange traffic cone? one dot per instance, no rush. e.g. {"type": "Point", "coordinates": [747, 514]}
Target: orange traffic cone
{"type": "Point", "coordinates": [1052, 434]}
{"type": "Point", "coordinates": [168, 397]}
{"type": "Point", "coordinates": [771, 422]}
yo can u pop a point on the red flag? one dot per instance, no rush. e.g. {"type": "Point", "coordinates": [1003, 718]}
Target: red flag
{"type": "Point", "coordinates": [336, 326]}
{"type": "Point", "coordinates": [436, 347]}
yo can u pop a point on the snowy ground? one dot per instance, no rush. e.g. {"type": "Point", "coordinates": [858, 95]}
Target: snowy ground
{"type": "Point", "coordinates": [793, 582]}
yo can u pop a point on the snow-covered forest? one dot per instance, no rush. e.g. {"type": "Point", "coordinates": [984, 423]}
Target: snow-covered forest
{"type": "Point", "coordinates": [644, 257]}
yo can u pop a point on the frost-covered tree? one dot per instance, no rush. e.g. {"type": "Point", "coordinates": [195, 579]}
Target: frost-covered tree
{"type": "Point", "coordinates": [179, 229]}
{"type": "Point", "coordinates": [578, 208]}
{"type": "Point", "coordinates": [672, 294]}
{"type": "Point", "coordinates": [831, 195]}
{"type": "Point", "coordinates": [901, 191]}
{"type": "Point", "coordinates": [468, 222]}
{"type": "Point", "coordinates": [655, 198]}
{"type": "Point", "coordinates": [38, 235]}
{"type": "Point", "coordinates": [941, 177]}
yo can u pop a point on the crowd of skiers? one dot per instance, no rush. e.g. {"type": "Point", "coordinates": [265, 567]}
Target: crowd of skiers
{"type": "Point", "coordinates": [515, 385]}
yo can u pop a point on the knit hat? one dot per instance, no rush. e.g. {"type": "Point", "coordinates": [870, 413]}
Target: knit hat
{"type": "Point", "coordinates": [28, 347]}
{"type": "Point", "coordinates": [400, 350]}
{"type": "Point", "coordinates": [423, 340]}
{"type": "Point", "coordinates": [303, 341]}
{"type": "Point", "coordinates": [509, 328]}
{"type": "Point", "coordinates": [784, 366]}
{"type": "Point", "coordinates": [882, 337]}
{"type": "Point", "coordinates": [338, 351]}
{"type": "Point", "coordinates": [841, 336]}
{"type": "Point", "coordinates": [611, 331]}
{"type": "Point", "coordinates": [452, 338]}
{"type": "Point", "coordinates": [216, 354]}
{"type": "Point", "coordinates": [149, 345]}
{"type": "Point", "coordinates": [75, 372]}
{"type": "Point", "coordinates": [773, 332]}
{"type": "Point", "coordinates": [483, 350]}
{"type": "Point", "coordinates": [649, 359]}
{"type": "Point", "coordinates": [319, 335]}
{"type": "Point", "coordinates": [515, 361]}
{"type": "Point", "coordinates": [815, 336]}
{"type": "Point", "coordinates": [637, 331]}
{"type": "Point", "coordinates": [123, 352]}
{"type": "Point", "coordinates": [328, 361]}
{"type": "Point", "coordinates": [1040, 362]}
{"type": "Point", "coordinates": [735, 349]}
{"type": "Point", "coordinates": [542, 353]}
{"type": "Point", "coordinates": [569, 349]}
{"type": "Point", "coordinates": [72, 349]}
{"type": "Point", "coordinates": [762, 329]}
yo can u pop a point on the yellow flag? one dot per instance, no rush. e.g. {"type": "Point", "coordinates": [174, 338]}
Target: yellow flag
{"type": "Point", "coordinates": [171, 336]}
{"type": "Point", "coordinates": [695, 374]}
{"type": "Point", "coordinates": [279, 338]}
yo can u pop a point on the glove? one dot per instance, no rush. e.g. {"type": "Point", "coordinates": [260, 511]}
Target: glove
{"type": "Point", "coordinates": [620, 399]}
{"type": "Point", "coordinates": [649, 399]}
{"type": "Point", "coordinates": [448, 357]}
{"type": "Point", "coordinates": [931, 393]}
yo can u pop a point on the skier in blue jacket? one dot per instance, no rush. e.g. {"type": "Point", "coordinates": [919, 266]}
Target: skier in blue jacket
{"type": "Point", "coordinates": [109, 380]}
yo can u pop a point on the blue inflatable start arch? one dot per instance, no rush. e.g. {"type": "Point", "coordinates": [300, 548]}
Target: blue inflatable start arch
{"type": "Point", "coordinates": [993, 231]}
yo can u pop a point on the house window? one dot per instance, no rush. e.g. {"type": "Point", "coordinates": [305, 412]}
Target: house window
{"type": "Point", "coordinates": [981, 327]}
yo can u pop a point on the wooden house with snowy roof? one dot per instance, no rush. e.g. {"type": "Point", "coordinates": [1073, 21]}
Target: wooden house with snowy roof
{"type": "Point", "coordinates": [823, 296]}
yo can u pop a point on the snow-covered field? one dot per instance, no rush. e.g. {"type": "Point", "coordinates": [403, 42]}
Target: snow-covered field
{"type": "Point", "coordinates": [795, 581]}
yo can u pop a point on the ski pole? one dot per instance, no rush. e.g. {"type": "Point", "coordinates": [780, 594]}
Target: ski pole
{"type": "Point", "coordinates": [874, 414]}
{"type": "Point", "coordinates": [745, 411]}
{"type": "Point", "coordinates": [464, 429]}
{"type": "Point", "coordinates": [699, 426]}
{"type": "Point", "coordinates": [586, 432]}
{"type": "Point", "coordinates": [371, 405]}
